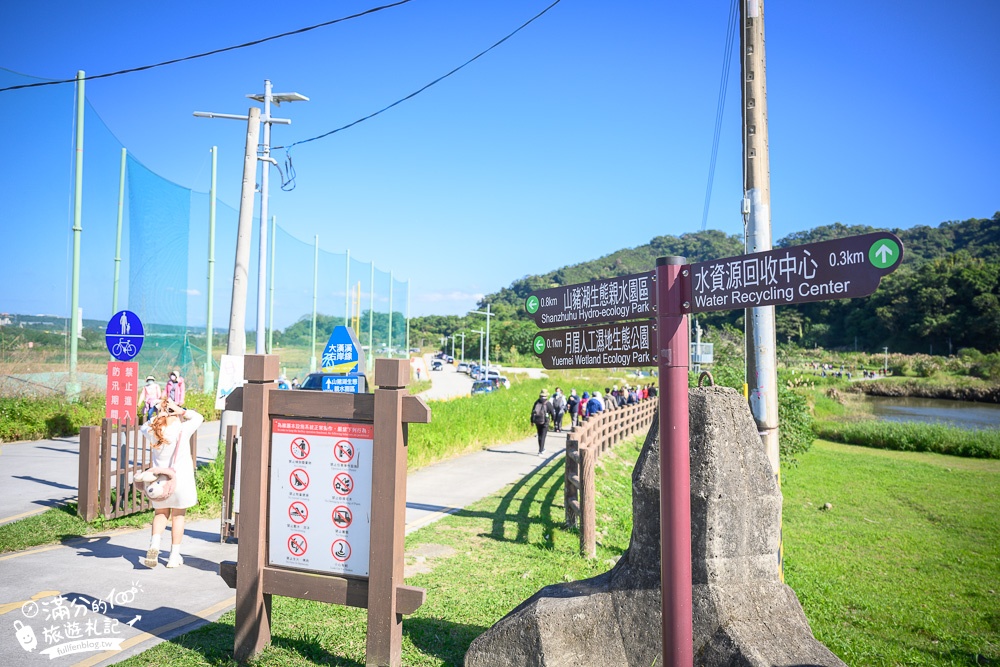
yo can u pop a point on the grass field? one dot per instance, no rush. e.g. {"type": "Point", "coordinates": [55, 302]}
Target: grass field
{"type": "Point", "coordinates": [902, 570]}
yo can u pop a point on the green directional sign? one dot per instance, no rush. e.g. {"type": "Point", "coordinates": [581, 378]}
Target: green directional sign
{"type": "Point", "coordinates": [539, 344]}
{"type": "Point", "coordinates": [883, 253]}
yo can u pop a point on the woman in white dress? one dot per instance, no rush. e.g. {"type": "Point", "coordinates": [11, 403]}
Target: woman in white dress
{"type": "Point", "coordinates": [170, 432]}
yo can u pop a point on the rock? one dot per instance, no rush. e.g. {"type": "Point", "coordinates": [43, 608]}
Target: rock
{"type": "Point", "coordinates": [827, 506]}
{"type": "Point", "coordinates": [743, 614]}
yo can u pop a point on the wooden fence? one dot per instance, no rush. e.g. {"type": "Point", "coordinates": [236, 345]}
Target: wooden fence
{"type": "Point", "coordinates": [584, 444]}
{"type": "Point", "coordinates": [111, 455]}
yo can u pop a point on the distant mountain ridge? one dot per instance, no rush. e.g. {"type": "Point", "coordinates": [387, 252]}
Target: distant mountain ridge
{"type": "Point", "coordinates": [979, 237]}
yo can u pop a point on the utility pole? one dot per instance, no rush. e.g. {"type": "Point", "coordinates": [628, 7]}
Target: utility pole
{"type": "Point", "coordinates": [488, 314]}
{"type": "Point", "coordinates": [209, 368]}
{"type": "Point", "coordinates": [118, 232]}
{"type": "Point", "coordinates": [480, 332]}
{"type": "Point", "coordinates": [72, 386]}
{"type": "Point", "coordinates": [389, 346]}
{"type": "Point", "coordinates": [408, 322]}
{"type": "Point", "coordinates": [270, 294]}
{"type": "Point", "coordinates": [463, 345]}
{"type": "Point", "coordinates": [237, 344]}
{"type": "Point", "coordinates": [371, 322]}
{"type": "Point", "coordinates": [885, 364]}
{"type": "Point", "coordinates": [267, 98]}
{"type": "Point", "coordinates": [347, 289]}
{"type": "Point", "coordinates": [762, 376]}
{"type": "Point", "coordinates": [312, 345]}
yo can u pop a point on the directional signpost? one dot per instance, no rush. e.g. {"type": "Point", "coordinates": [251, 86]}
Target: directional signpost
{"type": "Point", "coordinates": [840, 269]}
{"type": "Point", "coordinates": [123, 336]}
{"type": "Point", "coordinates": [343, 356]}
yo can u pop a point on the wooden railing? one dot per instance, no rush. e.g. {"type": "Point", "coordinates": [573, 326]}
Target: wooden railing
{"type": "Point", "coordinates": [111, 455]}
{"type": "Point", "coordinates": [584, 444]}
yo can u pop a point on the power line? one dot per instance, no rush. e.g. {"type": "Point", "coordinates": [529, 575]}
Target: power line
{"type": "Point", "coordinates": [727, 60]}
{"type": "Point", "coordinates": [209, 53]}
{"type": "Point", "coordinates": [422, 89]}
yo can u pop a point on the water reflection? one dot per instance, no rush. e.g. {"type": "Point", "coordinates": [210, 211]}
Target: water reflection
{"type": "Point", "coordinates": [933, 410]}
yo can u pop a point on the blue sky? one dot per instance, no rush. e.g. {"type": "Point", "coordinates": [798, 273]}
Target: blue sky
{"type": "Point", "coordinates": [587, 132]}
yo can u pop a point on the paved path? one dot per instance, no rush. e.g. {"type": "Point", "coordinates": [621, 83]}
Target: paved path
{"type": "Point", "coordinates": [35, 476]}
{"type": "Point", "coordinates": [447, 383]}
{"type": "Point", "coordinates": [164, 603]}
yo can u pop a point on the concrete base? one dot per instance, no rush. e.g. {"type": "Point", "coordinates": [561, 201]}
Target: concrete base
{"type": "Point", "coordinates": [743, 614]}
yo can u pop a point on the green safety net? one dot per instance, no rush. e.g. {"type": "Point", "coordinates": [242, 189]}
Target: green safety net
{"type": "Point", "coordinates": [164, 260]}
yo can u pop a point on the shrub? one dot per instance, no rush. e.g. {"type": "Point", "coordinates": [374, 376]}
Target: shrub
{"type": "Point", "coordinates": [795, 424]}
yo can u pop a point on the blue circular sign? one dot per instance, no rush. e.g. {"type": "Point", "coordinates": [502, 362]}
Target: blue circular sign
{"type": "Point", "coordinates": [124, 335]}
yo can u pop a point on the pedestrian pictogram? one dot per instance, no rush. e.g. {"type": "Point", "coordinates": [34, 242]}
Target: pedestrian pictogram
{"type": "Point", "coordinates": [341, 550]}
{"type": "Point", "coordinates": [343, 484]}
{"type": "Point", "coordinates": [343, 451]}
{"type": "Point", "coordinates": [342, 517]}
{"type": "Point", "coordinates": [297, 544]}
{"type": "Point", "coordinates": [298, 512]}
{"type": "Point", "coordinates": [300, 448]}
{"type": "Point", "coordinates": [299, 479]}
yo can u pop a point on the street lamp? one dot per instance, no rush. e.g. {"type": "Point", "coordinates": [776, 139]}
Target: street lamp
{"type": "Point", "coordinates": [266, 98]}
{"type": "Point", "coordinates": [488, 314]}
{"type": "Point", "coordinates": [463, 345]}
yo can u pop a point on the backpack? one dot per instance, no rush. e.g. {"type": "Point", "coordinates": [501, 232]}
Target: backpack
{"type": "Point", "coordinates": [559, 402]}
{"type": "Point", "coordinates": [539, 414]}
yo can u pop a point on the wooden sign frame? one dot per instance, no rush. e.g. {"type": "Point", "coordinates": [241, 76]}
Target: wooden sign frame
{"type": "Point", "coordinates": [382, 593]}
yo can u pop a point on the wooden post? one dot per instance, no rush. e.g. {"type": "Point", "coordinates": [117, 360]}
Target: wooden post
{"type": "Point", "coordinates": [90, 441]}
{"type": "Point", "coordinates": [226, 529]}
{"type": "Point", "coordinates": [253, 606]}
{"type": "Point", "coordinates": [104, 480]}
{"type": "Point", "coordinates": [385, 562]}
{"type": "Point", "coordinates": [588, 506]}
{"type": "Point", "coordinates": [570, 495]}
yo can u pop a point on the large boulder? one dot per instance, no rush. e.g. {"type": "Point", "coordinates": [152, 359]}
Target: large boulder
{"type": "Point", "coordinates": [743, 614]}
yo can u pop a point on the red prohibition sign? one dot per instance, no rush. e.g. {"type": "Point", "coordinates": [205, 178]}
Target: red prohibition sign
{"type": "Point", "coordinates": [300, 448]}
{"type": "Point", "coordinates": [341, 550]}
{"type": "Point", "coordinates": [298, 512]}
{"type": "Point", "coordinates": [342, 517]}
{"type": "Point", "coordinates": [343, 451]}
{"type": "Point", "coordinates": [297, 544]}
{"type": "Point", "coordinates": [299, 479]}
{"type": "Point", "coordinates": [343, 484]}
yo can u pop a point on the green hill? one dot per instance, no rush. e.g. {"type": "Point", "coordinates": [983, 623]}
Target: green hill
{"type": "Point", "coordinates": [945, 296]}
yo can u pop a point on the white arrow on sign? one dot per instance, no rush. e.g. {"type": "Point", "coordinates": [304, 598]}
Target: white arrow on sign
{"type": "Point", "coordinates": [883, 252]}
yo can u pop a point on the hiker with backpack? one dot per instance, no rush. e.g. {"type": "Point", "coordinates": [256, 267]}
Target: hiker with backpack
{"type": "Point", "coordinates": [558, 409]}
{"type": "Point", "coordinates": [540, 412]}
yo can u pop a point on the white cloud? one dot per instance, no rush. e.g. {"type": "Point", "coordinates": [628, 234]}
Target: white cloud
{"type": "Point", "coordinates": [192, 292]}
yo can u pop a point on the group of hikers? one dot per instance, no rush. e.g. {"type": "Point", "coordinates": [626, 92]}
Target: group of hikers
{"type": "Point", "coordinates": [152, 394]}
{"type": "Point", "coordinates": [557, 407]}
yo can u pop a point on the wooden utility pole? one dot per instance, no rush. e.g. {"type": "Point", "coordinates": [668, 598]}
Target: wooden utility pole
{"type": "Point", "coordinates": [762, 376]}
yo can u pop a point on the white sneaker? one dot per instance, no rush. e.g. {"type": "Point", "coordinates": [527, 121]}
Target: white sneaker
{"type": "Point", "coordinates": [175, 560]}
{"type": "Point", "coordinates": [152, 558]}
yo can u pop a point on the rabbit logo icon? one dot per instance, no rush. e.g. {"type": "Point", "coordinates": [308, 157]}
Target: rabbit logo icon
{"type": "Point", "coordinates": [25, 636]}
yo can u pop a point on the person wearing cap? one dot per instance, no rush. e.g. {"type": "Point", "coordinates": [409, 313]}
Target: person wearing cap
{"type": "Point", "coordinates": [571, 407]}
{"type": "Point", "coordinates": [540, 412]}
{"type": "Point", "coordinates": [150, 397]}
{"type": "Point", "coordinates": [175, 387]}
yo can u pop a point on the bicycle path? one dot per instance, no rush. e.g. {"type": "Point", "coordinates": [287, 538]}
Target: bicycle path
{"type": "Point", "coordinates": [164, 603]}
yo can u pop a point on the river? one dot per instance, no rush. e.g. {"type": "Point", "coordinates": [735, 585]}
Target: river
{"type": "Point", "coordinates": [933, 410]}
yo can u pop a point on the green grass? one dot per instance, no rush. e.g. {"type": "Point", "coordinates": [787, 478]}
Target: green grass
{"type": "Point", "coordinates": [31, 418]}
{"type": "Point", "coordinates": [904, 569]}
{"type": "Point", "coordinates": [912, 437]}
{"type": "Point", "coordinates": [505, 548]}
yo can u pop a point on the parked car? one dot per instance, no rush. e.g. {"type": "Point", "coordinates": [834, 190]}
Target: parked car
{"type": "Point", "coordinates": [463, 367]}
{"type": "Point", "coordinates": [482, 387]}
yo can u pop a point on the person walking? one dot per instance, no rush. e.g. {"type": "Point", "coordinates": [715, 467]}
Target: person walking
{"type": "Point", "coordinates": [582, 408]}
{"type": "Point", "coordinates": [540, 412]}
{"type": "Point", "coordinates": [169, 433]}
{"type": "Point", "coordinates": [175, 387]}
{"type": "Point", "coordinates": [558, 409]}
{"type": "Point", "coordinates": [571, 407]}
{"type": "Point", "coordinates": [150, 396]}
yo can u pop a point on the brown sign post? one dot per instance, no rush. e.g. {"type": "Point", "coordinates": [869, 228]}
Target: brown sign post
{"type": "Point", "coordinates": [255, 577]}
{"type": "Point", "coordinates": [840, 269]}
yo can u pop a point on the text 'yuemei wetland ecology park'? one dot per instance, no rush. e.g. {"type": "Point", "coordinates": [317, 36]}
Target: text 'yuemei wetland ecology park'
{"type": "Point", "coordinates": [840, 269]}
{"type": "Point", "coordinates": [607, 300]}
{"type": "Point", "coordinates": [619, 345]}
